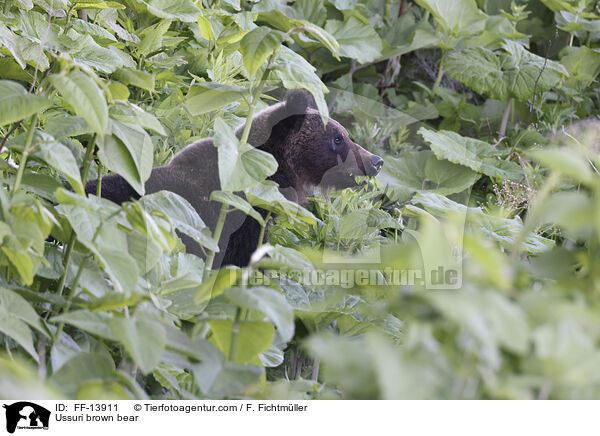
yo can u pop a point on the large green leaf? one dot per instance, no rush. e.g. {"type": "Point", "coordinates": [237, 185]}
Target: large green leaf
{"type": "Point", "coordinates": [85, 97]}
{"type": "Point", "coordinates": [128, 152]}
{"type": "Point", "coordinates": [565, 162]}
{"type": "Point", "coordinates": [363, 222]}
{"type": "Point", "coordinates": [512, 72]}
{"type": "Point", "coordinates": [15, 314]}
{"type": "Point", "coordinates": [268, 301]}
{"type": "Point", "coordinates": [17, 104]}
{"type": "Point", "coordinates": [144, 339]}
{"type": "Point", "coordinates": [455, 16]}
{"type": "Point", "coordinates": [83, 368]}
{"type": "Point", "coordinates": [240, 165]}
{"type": "Point", "coordinates": [507, 232]}
{"type": "Point", "coordinates": [473, 153]}
{"type": "Point", "coordinates": [490, 317]}
{"type": "Point", "coordinates": [59, 157]}
{"type": "Point", "coordinates": [582, 63]}
{"type": "Point", "coordinates": [96, 323]}
{"type": "Point", "coordinates": [132, 114]}
{"type": "Point", "coordinates": [210, 96]}
{"type": "Point", "coordinates": [231, 199]}
{"type": "Point", "coordinates": [267, 196]}
{"type": "Point", "coordinates": [295, 72]}
{"type": "Point", "coordinates": [253, 338]}
{"type": "Point", "coordinates": [421, 172]}
{"type": "Point", "coordinates": [139, 145]}
{"type": "Point", "coordinates": [183, 10]}
{"type": "Point", "coordinates": [182, 214]}
{"type": "Point", "coordinates": [141, 79]}
{"type": "Point", "coordinates": [356, 39]}
{"type": "Point", "coordinates": [258, 45]}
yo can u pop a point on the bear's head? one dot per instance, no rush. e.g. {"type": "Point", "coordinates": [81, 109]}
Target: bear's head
{"type": "Point", "coordinates": [310, 153]}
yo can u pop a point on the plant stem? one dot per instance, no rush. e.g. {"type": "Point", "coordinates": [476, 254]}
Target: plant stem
{"type": "Point", "coordinates": [67, 261]}
{"type": "Point", "coordinates": [505, 117]}
{"type": "Point", "coordinates": [26, 152]}
{"type": "Point", "coordinates": [61, 325]}
{"type": "Point", "coordinates": [261, 236]}
{"type": "Point", "coordinates": [99, 180]}
{"type": "Point", "coordinates": [87, 160]}
{"type": "Point", "coordinates": [216, 236]}
{"type": "Point", "coordinates": [7, 6]}
{"type": "Point", "coordinates": [440, 72]}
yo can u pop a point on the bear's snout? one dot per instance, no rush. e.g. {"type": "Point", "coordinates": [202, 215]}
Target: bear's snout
{"type": "Point", "coordinates": [376, 162]}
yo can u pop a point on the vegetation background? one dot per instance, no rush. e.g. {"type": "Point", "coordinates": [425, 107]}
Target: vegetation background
{"type": "Point", "coordinates": [475, 106]}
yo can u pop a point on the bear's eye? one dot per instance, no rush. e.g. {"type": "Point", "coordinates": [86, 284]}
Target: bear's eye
{"type": "Point", "coordinates": [337, 144]}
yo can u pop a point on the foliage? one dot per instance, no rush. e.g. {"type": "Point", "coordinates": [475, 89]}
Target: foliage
{"type": "Point", "coordinates": [468, 269]}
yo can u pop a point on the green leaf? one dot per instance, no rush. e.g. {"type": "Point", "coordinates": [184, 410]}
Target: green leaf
{"type": "Point", "coordinates": [320, 34]}
{"type": "Point", "coordinates": [473, 153]}
{"type": "Point", "coordinates": [84, 50]}
{"type": "Point", "coordinates": [130, 113]}
{"type": "Point", "coordinates": [455, 16]}
{"type": "Point", "coordinates": [84, 96]}
{"type": "Point", "coordinates": [447, 177]}
{"type": "Point", "coordinates": [513, 72]}
{"type": "Point", "coordinates": [115, 156]}
{"type": "Point", "coordinates": [182, 10]}
{"type": "Point", "coordinates": [490, 317]}
{"type": "Point", "coordinates": [240, 165]}
{"type": "Point", "coordinates": [144, 339]}
{"type": "Point", "coordinates": [59, 157]}
{"type": "Point", "coordinates": [422, 172]}
{"type": "Point", "coordinates": [210, 96]}
{"type": "Point", "coordinates": [139, 145]}
{"type": "Point", "coordinates": [566, 162]}
{"type": "Point", "coordinates": [15, 311]}
{"type": "Point", "coordinates": [506, 232]}
{"type": "Point", "coordinates": [582, 63]}
{"type": "Point", "coordinates": [22, 263]}
{"type": "Point", "coordinates": [152, 36]}
{"type": "Point", "coordinates": [96, 323]}
{"type": "Point", "coordinates": [268, 301]}
{"type": "Point", "coordinates": [356, 39]}
{"type": "Point", "coordinates": [182, 214]}
{"type": "Point", "coordinates": [216, 283]}
{"type": "Point", "coordinates": [17, 104]}
{"type": "Point", "coordinates": [109, 245]}
{"type": "Point", "coordinates": [295, 72]}
{"type": "Point", "coordinates": [205, 28]}
{"type": "Point", "coordinates": [278, 257]}
{"type": "Point", "coordinates": [231, 199]}
{"type": "Point", "coordinates": [363, 222]}
{"type": "Point", "coordinates": [81, 369]}
{"type": "Point", "coordinates": [267, 196]}
{"type": "Point", "coordinates": [253, 338]}
{"type": "Point", "coordinates": [141, 79]}
{"type": "Point", "coordinates": [67, 125]}
{"type": "Point", "coordinates": [16, 329]}
{"type": "Point", "coordinates": [257, 45]}
{"type": "Point", "coordinates": [119, 265]}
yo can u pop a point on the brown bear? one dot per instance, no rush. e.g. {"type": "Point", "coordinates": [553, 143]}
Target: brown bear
{"type": "Point", "coordinates": [307, 152]}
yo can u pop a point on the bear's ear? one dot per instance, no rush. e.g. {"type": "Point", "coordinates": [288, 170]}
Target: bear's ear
{"type": "Point", "coordinates": [298, 101]}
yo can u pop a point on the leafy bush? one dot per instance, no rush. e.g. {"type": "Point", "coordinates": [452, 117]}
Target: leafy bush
{"type": "Point", "coordinates": [468, 269]}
